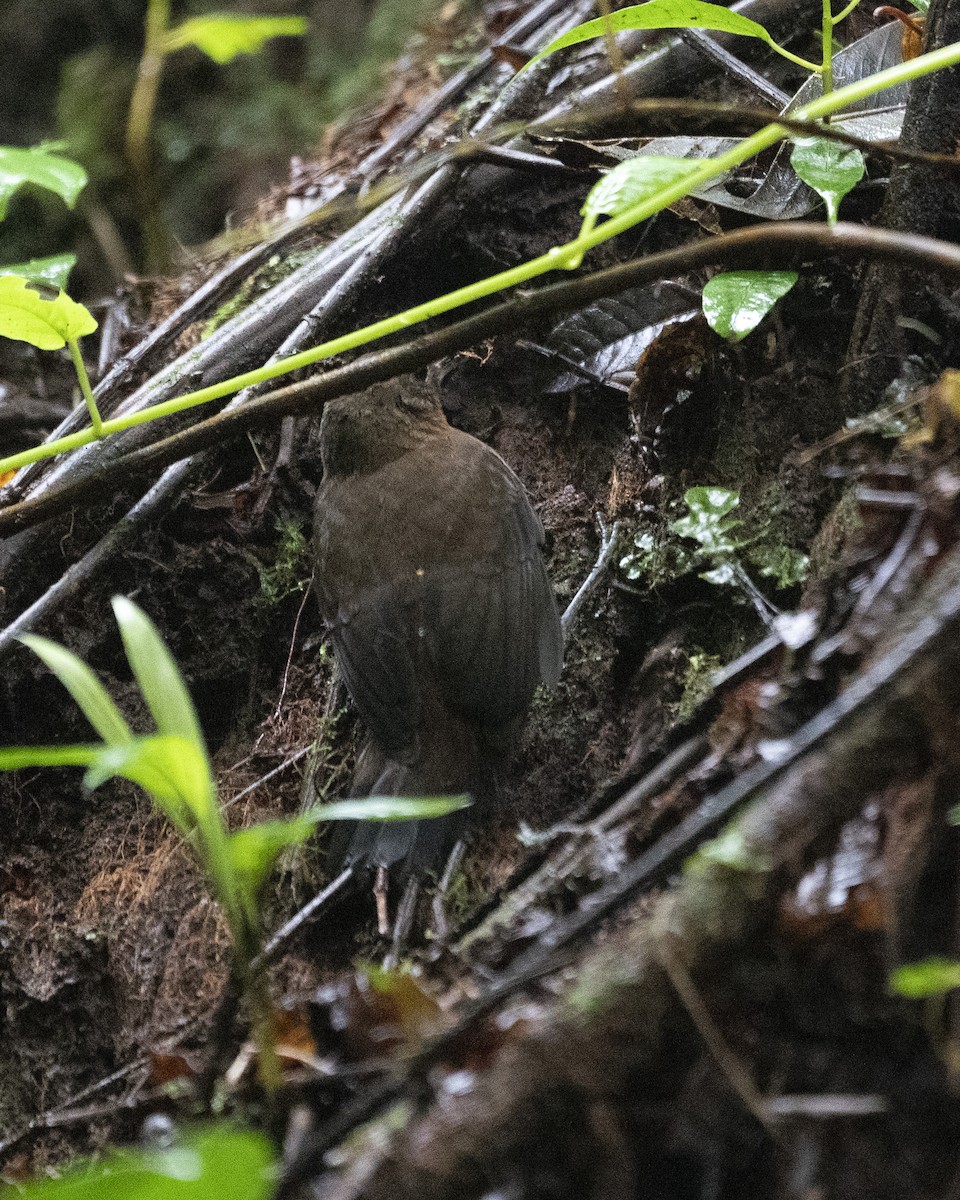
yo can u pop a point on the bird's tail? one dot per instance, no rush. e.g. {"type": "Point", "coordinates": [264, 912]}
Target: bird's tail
{"type": "Point", "coordinates": [411, 846]}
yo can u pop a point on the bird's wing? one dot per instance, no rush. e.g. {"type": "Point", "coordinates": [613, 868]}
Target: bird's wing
{"type": "Point", "coordinates": [490, 617]}
{"type": "Point", "coordinates": [443, 587]}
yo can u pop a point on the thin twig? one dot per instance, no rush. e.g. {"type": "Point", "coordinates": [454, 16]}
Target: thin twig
{"type": "Point", "coordinates": [285, 765]}
{"type": "Point", "coordinates": [293, 642]}
{"type": "Point", "coordinates": [608, 544]}
{"type": "Point", "coordinates": [733, 1069]}
{"type": "Point", "coordinates": [279, 939]}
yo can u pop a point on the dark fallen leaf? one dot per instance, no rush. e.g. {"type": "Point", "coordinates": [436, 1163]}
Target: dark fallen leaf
{"type": "Point", "coordinates": [607, 338]}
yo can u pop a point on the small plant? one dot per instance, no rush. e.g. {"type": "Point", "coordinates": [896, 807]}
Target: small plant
{"type": "Point", "coordinates": [221, 36]}
{"type": "Point", "coordinates": [49, 323]}
{"type": "Point", "coordinates": [735, 302]}
{"type": "Point", "coordinates": [173, 767]}
{"type": "Point", "coordinates": [718, 551]}
{"type": "Point", "coordinates": [34, 308]}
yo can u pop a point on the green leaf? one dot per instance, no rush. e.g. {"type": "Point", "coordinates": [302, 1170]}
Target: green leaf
{"type": "Point", "coordinates": [633, 181]}
{"type": "Point", "coordinates": [218, 1160]}
{"type": "Point", "coordinates": [157, 674]}
{"type": "Point", "coordinates": [15, 757]}
{"type": "Point", "coordinates": [51, 272]}
{"type": "Point", "coordinates": [19, 166]}
{"type": "Point", "coordinates": [735, 302]}
{"type": "Point", "coordinates": [170, 768]}
{"type": "Point", "coordinates": [829, 167]}
{"type": "Point", "coordinates": [252, 852]}
{"type": "Point", "coordinates": [388, 808]}
{"type": "Point", "coordinates": [222, 36]}
{"type": "Point", "coordinates": [707, 521]}
{"type": "Point", "coordinates": [931, 977]}
{"type": "Point", "coordinates": [730, 849]}
{"type": "Point", "coordinates": [84, 687]}
{"type": "Point", "coordinates": [660, 14]}
{"type": "Point", "coordinates": [47, 324]}
{"type": "Point", "coordinates": [921, 5]}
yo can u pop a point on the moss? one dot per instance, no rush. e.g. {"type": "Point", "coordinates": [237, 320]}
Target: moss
{"type": "Point", "coordinates": [697, 683]}
{"type": "Point", "coordinates": [276, 268]}
{"type": "Point", "coordinates": [290, 568]}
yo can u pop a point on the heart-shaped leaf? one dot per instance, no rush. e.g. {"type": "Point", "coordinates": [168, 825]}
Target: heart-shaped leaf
{"type": "Point", "coordinates": [735, 302]}
{"type": "Point", "coordinates": [632, 181]}
{"type": "Point", "coordinates": [829, 167]}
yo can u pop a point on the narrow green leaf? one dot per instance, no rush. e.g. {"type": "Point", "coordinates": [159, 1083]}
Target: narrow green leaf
{"type": "Point", "coordinates": [83, 686]}
{"type": "Point", "coordinates": [169, 768]}
{"type": "Point", "coordinates": [218, 1160]}
{"type": "Point", "coordinates": [15, 757]}
{"type": "Point", "coordinates": [735, 302]}
{"type": "Point", "coordinates": [252, 852]}
{"type": "Point", "coordinates": [51, 272]}
{"type": "Point", "coordinates": [36, 165]}
{"type": "Point", "coordinates": [26, 316]}
{"type": "Point", "coordinates": [633, 181]}
{"type": "Point", "coordinates": [222, 36]}
{"type": "Point", "coordinates": [157, 674]}
{"type": "Point", "coordinates": [830, 168]}
{"type": "Point", "coordinates": [388, 808]}
{"type": "Point", "coordinates": [931, 977]}
{"type": "Point", "coordinates": [660, 14]}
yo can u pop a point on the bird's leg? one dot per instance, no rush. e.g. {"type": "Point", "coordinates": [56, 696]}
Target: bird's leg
{"type": "Point", "coordinates": [441, 926]}
{"type": "Point", "coordinates": [380, 896]}
{"type": "Point", "coordinates": [401, 930]}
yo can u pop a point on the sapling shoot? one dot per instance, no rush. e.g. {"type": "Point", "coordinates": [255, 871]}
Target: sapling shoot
{"type": "Point", "coordinates": [173, 767]}
{"type": "Point", "coordinates": [221, 36]}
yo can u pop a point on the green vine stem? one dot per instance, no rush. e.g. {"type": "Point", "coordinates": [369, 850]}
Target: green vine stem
{"type": "Point", "coordinates": [558, 258]}
{"type": "Point", "coordinates": [826, 35]}
{"type": "Point", "coordinates": [96, 424]}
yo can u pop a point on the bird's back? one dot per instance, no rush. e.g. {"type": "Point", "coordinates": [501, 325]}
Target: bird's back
{"type": "Point", "coordinates": [432, 583]}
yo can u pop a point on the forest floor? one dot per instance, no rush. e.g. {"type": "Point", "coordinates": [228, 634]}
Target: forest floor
{"type": "Point", "coordinates": [631, 1004]}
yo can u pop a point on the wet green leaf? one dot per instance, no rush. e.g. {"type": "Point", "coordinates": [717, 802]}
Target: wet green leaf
{"type": "Point", "coordinates": [633, 181]}
{"type": "Point", "coordinates": [661, 14]}
{"type": "Point", "coordinates": [218, 1161]}
{"type": "Point", "coordinates": [52, 272]}
{"type": "Point", "coordinates": [931, 977]}
{"type": "Point", "coordinates": [735, 302]}
{"type": "Point", "coordinates": [829, 167]}
{"type": "Point", "coordinates": [20, 166]}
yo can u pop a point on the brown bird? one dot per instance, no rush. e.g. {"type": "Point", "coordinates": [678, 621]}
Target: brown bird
{"type": "Point", "coordinates": [432, 585]}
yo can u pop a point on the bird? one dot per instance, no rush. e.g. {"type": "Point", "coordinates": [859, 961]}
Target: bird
{"type": "Point", "coordinates": [431, 582]}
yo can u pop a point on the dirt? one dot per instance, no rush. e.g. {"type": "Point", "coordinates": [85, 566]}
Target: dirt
{"type": "Point", "coordinates": [110, 948]}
